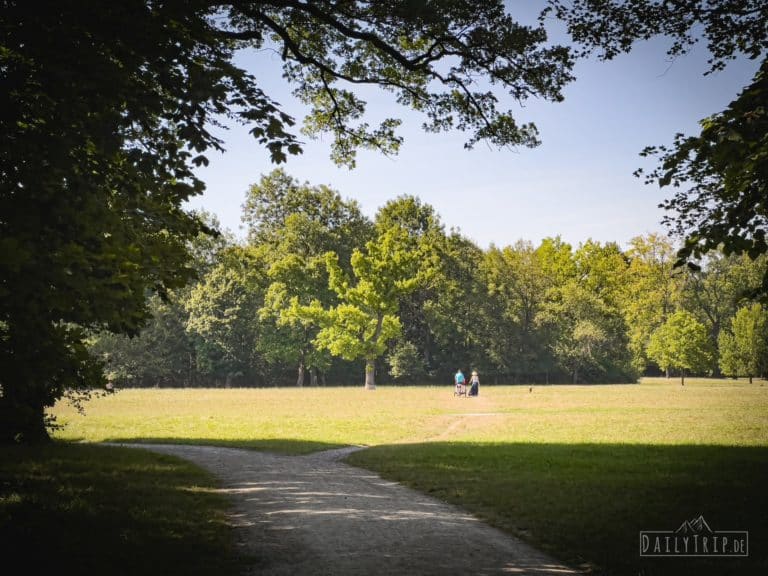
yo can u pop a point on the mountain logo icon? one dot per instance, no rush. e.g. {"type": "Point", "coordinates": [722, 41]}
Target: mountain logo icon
{"type": "Point", "coordinates": [695, 526]}
{"type": "Point", "coordinates": [694, 538]}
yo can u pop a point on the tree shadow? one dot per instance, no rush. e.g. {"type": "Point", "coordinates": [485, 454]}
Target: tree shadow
{"type": "Point", "coordinates": [588, 503]}
{"type": "Point", "coordinates": [276, 445]}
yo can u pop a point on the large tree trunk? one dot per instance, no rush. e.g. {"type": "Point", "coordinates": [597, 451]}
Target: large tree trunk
{"type": "Point", "coordinates": [21, 423]}
{"type": "Point", "coordinates": [682, 377]}
{"type": "Point", "coordinates": [370, 373]}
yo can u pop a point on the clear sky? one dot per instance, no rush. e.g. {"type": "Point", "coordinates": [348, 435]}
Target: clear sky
{"type": "Point", "coordinates": [578, 184]}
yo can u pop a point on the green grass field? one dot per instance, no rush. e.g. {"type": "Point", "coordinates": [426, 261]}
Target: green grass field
{"type": "Point", "coordinates": [576, 470]}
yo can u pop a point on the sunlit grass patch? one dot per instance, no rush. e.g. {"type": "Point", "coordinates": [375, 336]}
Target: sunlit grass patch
{"type": "Point", "coordinates": [302, 420]}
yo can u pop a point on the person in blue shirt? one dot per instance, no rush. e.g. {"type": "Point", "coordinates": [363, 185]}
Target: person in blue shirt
{"type": "Point", "coordinates": [459, 381]}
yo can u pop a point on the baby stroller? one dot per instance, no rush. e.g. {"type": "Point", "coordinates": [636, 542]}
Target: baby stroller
{"type": "Point", "coordinates": [461, 385]}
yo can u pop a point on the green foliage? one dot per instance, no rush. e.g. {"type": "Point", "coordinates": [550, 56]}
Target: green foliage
{"type": "Point", "coordinates": [680, 343]}
{"type": "Point", "coordinates": [162, 354]}
{"type": "Point", "coordinates": [105, 118]}
{"type": "Point", "coordinates": [428, 56]}
{"type": "Point", "coordinates": [405, 362]}
{"type": "Point", "coordinates": [457, 311]}
{"type": "Point", "coordinates": [714, 293]}
{"type": "Point", "coordinates": [366, 317]}
{"type": "Point", "coordinates": [587, 335]}
{"type": "Point", "coordinates": [651, 291]}
{"type": "Point", "coordinates": [613, 26]}
{"type": "Point", "coordinates": [719, 177]}
{"type": "Point", "coordinates": [222, 308]}
{"type": "Point", "coordinates": [299, 224]}
{"type": "Point", "coordinates": [517, 287]}
{"type": "Point", "coordinates": [744, 348]}
{"type": "Point", "coordinates": [106, 112]}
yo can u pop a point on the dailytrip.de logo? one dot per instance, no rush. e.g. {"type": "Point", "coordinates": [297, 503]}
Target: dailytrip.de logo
{"type": "Point", "coordinates": [694, 538]}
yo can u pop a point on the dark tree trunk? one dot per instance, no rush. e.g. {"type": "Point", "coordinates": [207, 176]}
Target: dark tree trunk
{"type": "Point", "coordinates": [21, 423]}
{"type": "Point", "coordinates": [300, 375]}
{"type": "Point", "coordinates": [370, 373]}
{"type": "Point", "coordinates": [313, 377]}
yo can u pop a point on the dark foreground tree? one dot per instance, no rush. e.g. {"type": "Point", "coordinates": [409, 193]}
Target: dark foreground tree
{"type": "Point", "coordinates": [720, 177]}
{"type": "Point", "coordinates": [105, 109]}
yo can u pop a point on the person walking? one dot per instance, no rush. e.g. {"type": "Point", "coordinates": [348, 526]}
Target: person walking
{"type": "Point", "coordinates": [459, 381]}
{"type": "Point", "coordinates": [474, 388]}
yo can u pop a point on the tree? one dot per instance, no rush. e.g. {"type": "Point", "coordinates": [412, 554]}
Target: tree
{"type": "Point", "coordinates": [424, 234]}
{"type": "Point", "coordinates": [224, 313]}
{"type": "Point", "coordinates": [106, 111]}
{"type": "Point", "coordinates": [744, 348]}
{"type": "Point", "coordinates": [365, 319]}
{"type": "Point", "coordinates": [721, 180]}
{"type": "Point", "coordinates": [680, 343]}
{"type": "Point", "coordinates": [405, 362]}
{"type": "Point", "coordinates": [651, 291]}
{"type": "Point", "coordinates": [714, 293]}
{"type": "Point", "coordinates": [298, 224]}
{"type": "Point", "coordinates": [162, 355]}
{"type": "Point", "coordinates": [517, 286]}
{"type": "Point", "coordinates": [720, 176]}
{"type": "Point", "coordinates": [586, 336]}
{"type": "Point", "coordinates": [612, 27]}
{"type": "Point", "coordinates": [458, 311]}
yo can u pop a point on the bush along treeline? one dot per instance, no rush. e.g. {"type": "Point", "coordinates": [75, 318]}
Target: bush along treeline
{"type": "Point", "coordinates": [318, 294]}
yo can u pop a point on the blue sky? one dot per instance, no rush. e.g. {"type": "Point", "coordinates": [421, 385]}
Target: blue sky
{"type": "Point", "coordinates": [578, 184]}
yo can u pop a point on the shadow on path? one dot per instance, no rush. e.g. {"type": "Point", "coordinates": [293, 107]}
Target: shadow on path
{"type": "Point", "coordinates": [315, 515]}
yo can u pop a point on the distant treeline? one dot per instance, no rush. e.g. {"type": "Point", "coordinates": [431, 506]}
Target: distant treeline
{"type": "Point", "coordinates": [317, 291]}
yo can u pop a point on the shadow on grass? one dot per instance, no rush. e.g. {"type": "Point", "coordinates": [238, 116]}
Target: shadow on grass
{"type": "Point", "coordinates": [100, 510]}
{"type": "Point", "coordinates": [68, 508]}
{"type": "Point", "coordinates": [278, 446]}
{"type": "Point", "coordinates": [587, 504]}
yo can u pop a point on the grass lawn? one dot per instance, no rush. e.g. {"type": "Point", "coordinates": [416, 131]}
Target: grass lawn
{"type": "Point", "coordinates": [577, 470]}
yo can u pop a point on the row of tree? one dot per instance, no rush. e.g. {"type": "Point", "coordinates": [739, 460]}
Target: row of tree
{"type": "Point", "coordinates": [318, 292]}
{"type": "Point", "coordinates": [108, 110]}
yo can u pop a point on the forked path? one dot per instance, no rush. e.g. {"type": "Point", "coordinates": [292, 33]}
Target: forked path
{"type": "Point", "coordinates": [315, 515]}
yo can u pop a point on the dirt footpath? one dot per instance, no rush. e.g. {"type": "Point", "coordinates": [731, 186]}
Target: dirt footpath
{"type": "Point", "coordinates": [314, 515]}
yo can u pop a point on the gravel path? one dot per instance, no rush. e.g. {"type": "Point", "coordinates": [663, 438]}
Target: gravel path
{"type": "Point", "coordinates": [315, 515]}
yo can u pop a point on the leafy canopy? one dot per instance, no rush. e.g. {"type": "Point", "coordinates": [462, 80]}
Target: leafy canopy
{"type": "Point", "coordinates": [719, 176]}
{"type": "Point", "coordinates": [680, 343]}
{"type": "Point", "coordinates": [106, 110]}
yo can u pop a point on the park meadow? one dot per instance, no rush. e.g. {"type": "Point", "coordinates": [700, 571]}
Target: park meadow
{"type": "Point", "coordinates": [578, 471]}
